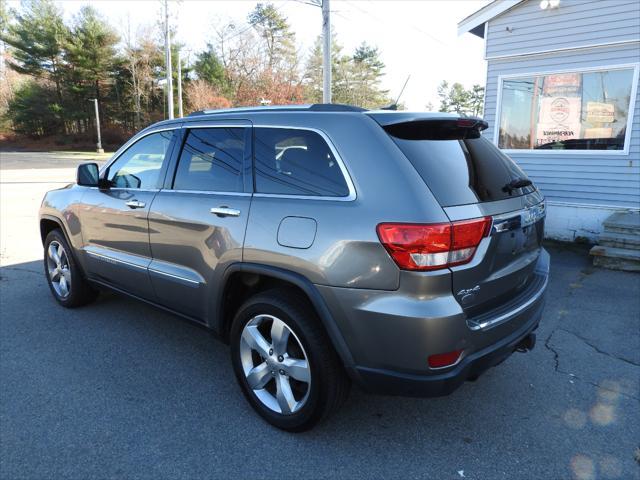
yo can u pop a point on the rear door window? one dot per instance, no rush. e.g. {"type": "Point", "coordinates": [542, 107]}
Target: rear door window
{"type": "Point", "coordinates": [296, 162]}
{"type": "Point", "coordinates": [462, 171]}
{"type": "Point", "coordinates": [211, 160]}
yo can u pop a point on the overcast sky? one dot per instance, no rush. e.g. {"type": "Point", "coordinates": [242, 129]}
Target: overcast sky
{"type": "Point", "coordinates": [415, 37]}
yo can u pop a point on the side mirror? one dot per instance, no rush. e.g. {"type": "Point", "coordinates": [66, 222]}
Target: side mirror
{"type": "Point", "coordinates": [87, 175]}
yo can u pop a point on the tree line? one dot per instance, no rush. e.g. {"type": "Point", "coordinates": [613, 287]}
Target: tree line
{"type": "Point", "coordinates": [56, 67]}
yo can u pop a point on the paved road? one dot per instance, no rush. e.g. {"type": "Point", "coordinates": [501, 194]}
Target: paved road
{"type": "Point", "coordinates": [31, 160]}
{"type": "Point", "coordinates": [121, 390]}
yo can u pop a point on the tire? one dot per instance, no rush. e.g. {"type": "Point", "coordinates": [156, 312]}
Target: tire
{"type": "Point", "coordinates": [66, 281]}
{"type": "Point", "coordinates": [277, 366]}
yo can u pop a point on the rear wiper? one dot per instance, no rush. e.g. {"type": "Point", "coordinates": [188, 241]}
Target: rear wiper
{"type": "Point", "coordinates": [516, 183]}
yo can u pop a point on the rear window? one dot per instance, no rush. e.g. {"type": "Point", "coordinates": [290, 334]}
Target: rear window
{"type": "Point", "coordinates": [462, 171]}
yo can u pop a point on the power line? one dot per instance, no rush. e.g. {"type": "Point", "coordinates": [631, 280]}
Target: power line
{"type": "Point", "coordinates": [386, 22]}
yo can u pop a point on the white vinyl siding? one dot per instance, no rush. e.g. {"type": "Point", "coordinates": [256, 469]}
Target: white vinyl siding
{"type": "Point", "coordinates": [527, 28]}
{"type": "Point", "coordinates": [595, 178]}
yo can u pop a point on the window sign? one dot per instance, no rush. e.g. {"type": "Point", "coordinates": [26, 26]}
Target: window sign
{"type": "Point", "coordinates": [567, 111]}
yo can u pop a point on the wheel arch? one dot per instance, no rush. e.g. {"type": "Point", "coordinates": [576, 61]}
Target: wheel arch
{"type": "Point", "coordinates": [240, 272]}
{"type": "Point", "coordinates": [49, 223]}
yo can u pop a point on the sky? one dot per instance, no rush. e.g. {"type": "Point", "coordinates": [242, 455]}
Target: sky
{"type": "Point", "coordinates": [415, 37]}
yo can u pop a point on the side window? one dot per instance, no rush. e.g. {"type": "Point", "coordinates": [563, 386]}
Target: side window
{"type": "Point", "coordinates": [211, 160]}
{"type": "Point", "coordinates": [139, 166]}
{"type": "Point", "coordinates": [296, 162]}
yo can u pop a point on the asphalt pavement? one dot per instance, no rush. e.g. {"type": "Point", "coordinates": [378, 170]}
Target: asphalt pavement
{"type": "Point", "coordinates": [119, 389]}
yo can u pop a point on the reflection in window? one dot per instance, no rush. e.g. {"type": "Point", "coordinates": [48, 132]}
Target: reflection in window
{"type": "Point", "coordinates": [139, 166]}
{"type": "Point", "coordinates": [211, 160]}
{"type": "Point", "coordinates": [296, 162]}
{"type": "Point", "coordinates": [568, 111]}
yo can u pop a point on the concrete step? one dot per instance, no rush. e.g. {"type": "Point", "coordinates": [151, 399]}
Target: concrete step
{"type": "Point", "coordinates": [616, 258]}
{"type": "Point", "coordinates": [620, 240]}
{"type": "Point", "coordinates": [623, 222]}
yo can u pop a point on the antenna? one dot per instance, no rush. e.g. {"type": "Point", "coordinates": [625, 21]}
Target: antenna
{"type": "Point", "coordinates": [394, 105]}
{"type": "Point", "coordinates": [402, 91]}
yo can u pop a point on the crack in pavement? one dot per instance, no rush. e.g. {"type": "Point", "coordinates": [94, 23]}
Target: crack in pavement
{"type": "Point", "coordinates": [556, 354]}
{"type": "Point", "coordinates": [600, 351]}
{"type": "Point", "coordinates": [556, 357]}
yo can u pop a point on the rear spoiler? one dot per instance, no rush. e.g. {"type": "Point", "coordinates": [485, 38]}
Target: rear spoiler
{"type": "Point", "coordinates": [429, 126]}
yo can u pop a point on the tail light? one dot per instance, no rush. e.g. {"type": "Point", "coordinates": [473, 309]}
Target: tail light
{"type": "Point", "coordinates": [432, 246]}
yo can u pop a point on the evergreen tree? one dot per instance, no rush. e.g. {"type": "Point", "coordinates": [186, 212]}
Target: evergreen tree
{"type": "Point", "coordinates": [456, 98]}
{"type": "Point", "coordinates": [91, 54]}
{"type": "Point", "coordinates": [209, 68]}
{"type": "Point", "coordinates": [277, 35]}
{"type": "Point", "coordinates": [355, 79]}
{"type": "Point", "coordinates": [38, 38]}
{"type": "Point", "coordinates": [368, 69]}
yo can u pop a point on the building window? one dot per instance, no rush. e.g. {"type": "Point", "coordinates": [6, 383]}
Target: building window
{"type": "Point", "coordinates": [585, 110]}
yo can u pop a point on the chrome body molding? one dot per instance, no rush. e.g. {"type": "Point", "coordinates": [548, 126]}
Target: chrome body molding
{"type": "Point", "coordinates": [518, 218]}
{"type": "Point", "coordinates": [505, 317]}
{"type": "Point", "coordinates": [153, 267]}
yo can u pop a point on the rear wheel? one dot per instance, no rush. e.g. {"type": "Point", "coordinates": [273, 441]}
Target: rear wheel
{"type": "Point", "coordinates": [64, 277]}
{"type": "Point", "coordinates": [284, 361]}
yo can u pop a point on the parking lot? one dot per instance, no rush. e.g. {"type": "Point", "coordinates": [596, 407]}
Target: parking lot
{"type": "Point", "coordinates": [119, 389]}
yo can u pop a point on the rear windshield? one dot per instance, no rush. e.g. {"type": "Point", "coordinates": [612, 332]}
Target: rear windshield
{"type": "Point", "coordinates": [464, 171]}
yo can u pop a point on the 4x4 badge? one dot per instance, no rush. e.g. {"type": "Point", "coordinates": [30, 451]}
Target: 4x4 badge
{"type": "Point", "coordinates": [469, 291]}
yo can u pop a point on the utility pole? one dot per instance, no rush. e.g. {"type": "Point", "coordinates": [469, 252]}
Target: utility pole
{"type": "Point", "coordinates": [180, 113]}
{"type": "Point", "coordinates": [99, 145]}
{"type": "Point", "coordinates": [167, 47]}
{"type": "Point", "coordinates": [326, 52]}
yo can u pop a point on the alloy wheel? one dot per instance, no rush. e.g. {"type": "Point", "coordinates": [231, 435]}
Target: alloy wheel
{"type": "Point", "coordinates": [58, 269]}
{"type": "Point", "coordinates": [275, 364]}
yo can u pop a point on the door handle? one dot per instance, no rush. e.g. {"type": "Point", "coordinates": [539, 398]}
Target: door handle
{"type": "Point", "coordinates": [135, 204]}
{"type": "Point", "coordinates": [225, 212]}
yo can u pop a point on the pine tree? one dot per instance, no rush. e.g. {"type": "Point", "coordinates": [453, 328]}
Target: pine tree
{"type": "Point", "coordinates": [91, 55]}
{"type": "Point", "coordinates": [209, 68]}
{"type": "Point", "coordinates": [38, 38]}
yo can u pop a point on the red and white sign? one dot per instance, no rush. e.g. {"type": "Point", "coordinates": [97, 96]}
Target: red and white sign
{"type": "Point", "coordinates": [560, 109]}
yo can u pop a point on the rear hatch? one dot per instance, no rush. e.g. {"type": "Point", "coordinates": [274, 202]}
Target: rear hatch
{"type": "Point", "coordinates": [471, 178]}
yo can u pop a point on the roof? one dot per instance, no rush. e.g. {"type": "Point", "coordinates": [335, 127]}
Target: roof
{"type": "Point", "coordinates": [474, 23]}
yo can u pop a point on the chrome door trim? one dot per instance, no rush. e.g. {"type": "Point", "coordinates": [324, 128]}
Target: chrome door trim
{"type": "Point", "coordinates": [210, 124]}
{"type": "Point", "coordinates": [120, 189]}
{"type": "Point", "coordinates": [177, 277]}
{"type": "Point", "coordinates": [343, 168]}
{"type": "Point", "coordinates": [208, 192]}
{"type": "Point", "coordinates": [110, 259]}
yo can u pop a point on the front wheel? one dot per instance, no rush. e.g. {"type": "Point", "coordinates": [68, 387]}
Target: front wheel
{"type": "Point", "coordinates": [284, 361]}
{"type": "Point", "coordinates": [64, 277]}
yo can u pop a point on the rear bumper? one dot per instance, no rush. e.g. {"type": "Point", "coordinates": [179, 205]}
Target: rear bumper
{"type": "Point", "coordinates": [397, 383]}
{"type": "Point", "coordinates": [390, 335]}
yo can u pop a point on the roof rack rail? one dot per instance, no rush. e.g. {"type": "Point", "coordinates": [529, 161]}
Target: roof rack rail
{"type": "Point", "coordinates": [316, 107]}
{"type": "Point", "coordinates": [335, 107]}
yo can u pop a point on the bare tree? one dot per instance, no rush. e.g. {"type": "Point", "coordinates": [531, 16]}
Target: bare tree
{"type": "Point", "coordinates": [201, 95]}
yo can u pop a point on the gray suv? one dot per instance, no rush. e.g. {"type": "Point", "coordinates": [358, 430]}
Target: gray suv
{"type": "Point", "coordinates": [326, 244]}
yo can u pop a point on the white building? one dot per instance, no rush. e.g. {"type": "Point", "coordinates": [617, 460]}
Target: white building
{"type": "Point", "coordinates": [562, 100]}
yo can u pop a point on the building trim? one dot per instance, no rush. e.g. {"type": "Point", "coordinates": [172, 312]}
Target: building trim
{"type": "Point", "coordinates": [485, 14]}
{"type": "Point", "coordinates": [561, 50]}
{"type": "Point", "coordinates": [630, 115]}
{"type": "Point", "coordinates": [590, 206]}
